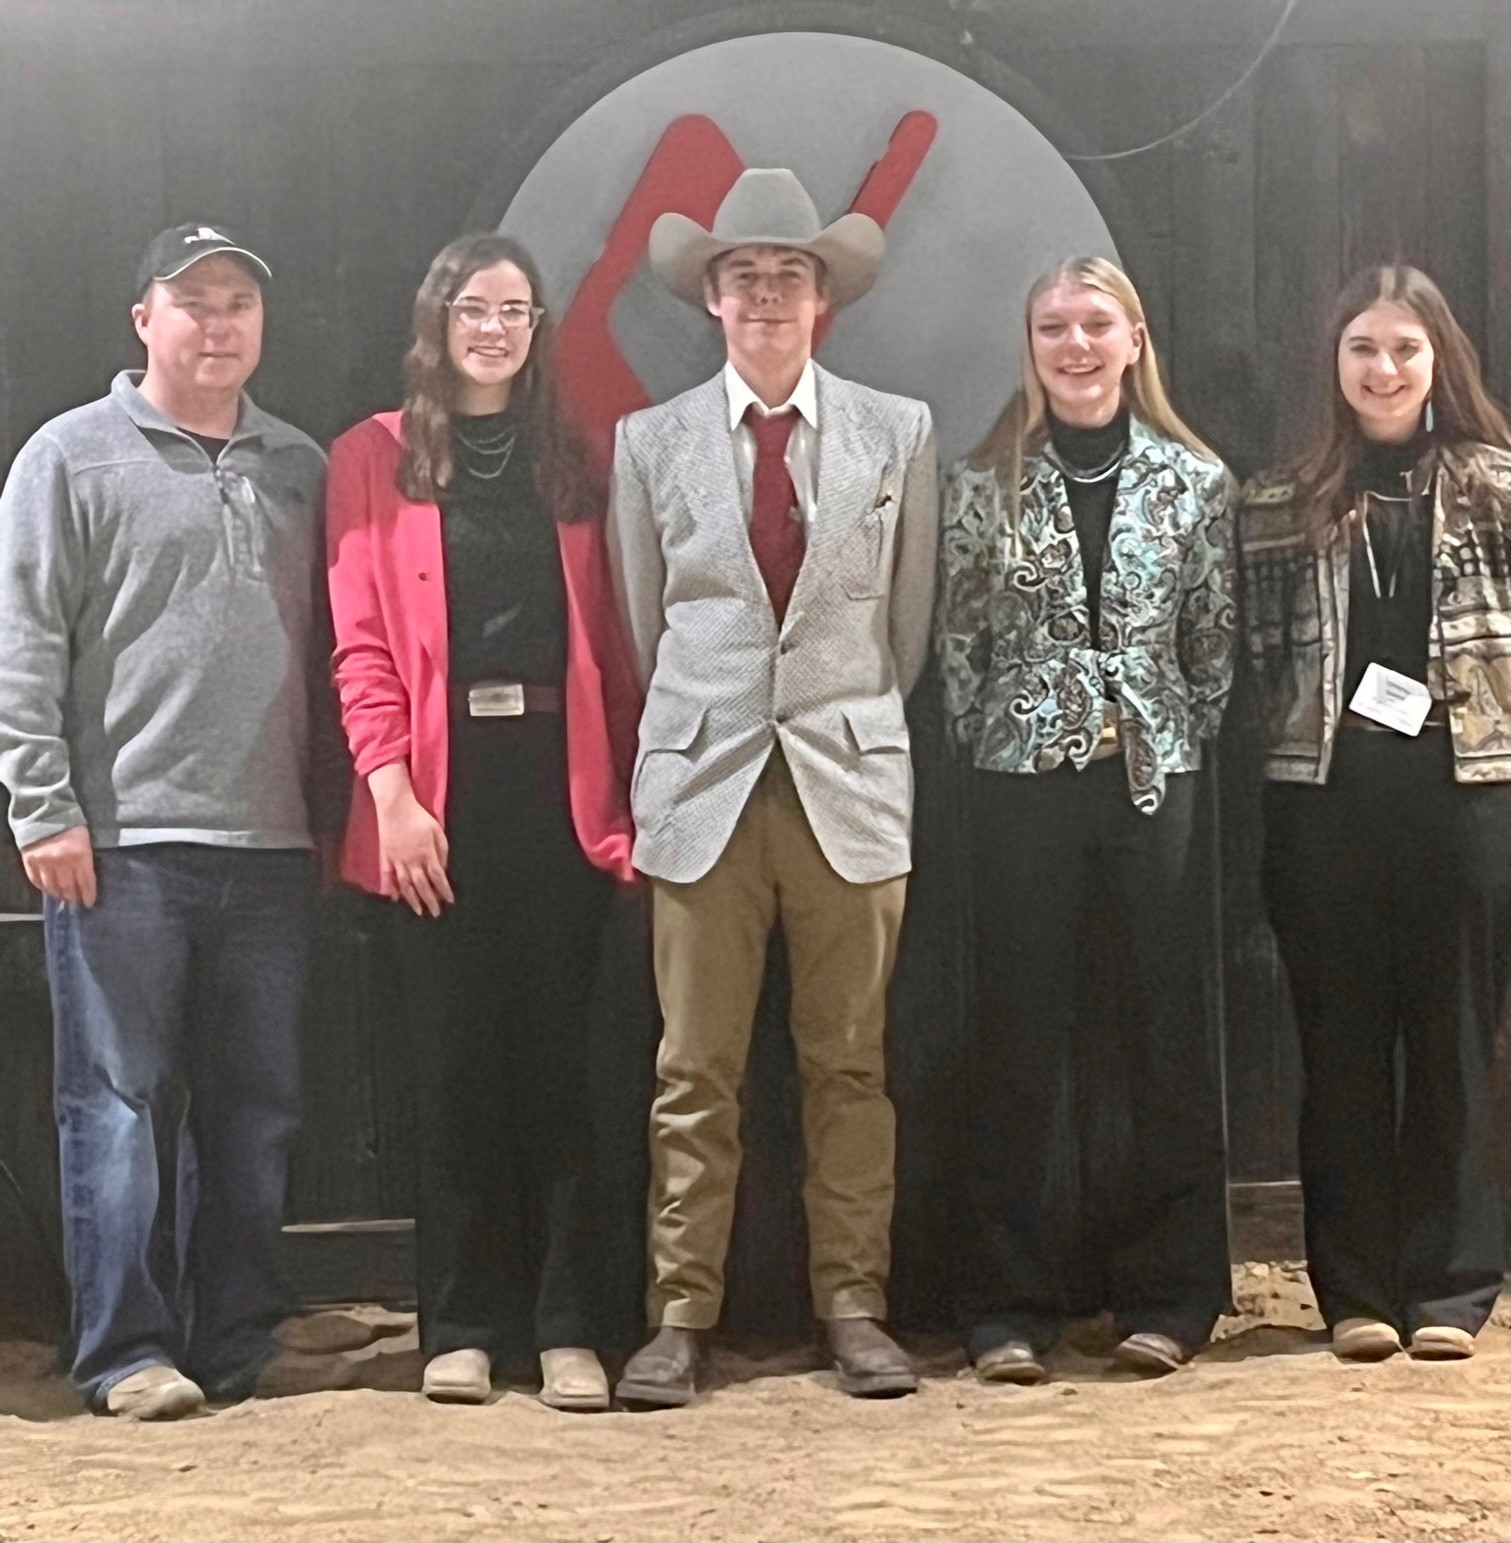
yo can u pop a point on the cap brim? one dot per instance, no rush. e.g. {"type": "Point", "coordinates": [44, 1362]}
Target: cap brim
{"type": "Point", "coordinates": [850, 249]}
{"type": "Point", "coordinates": [215, 251]}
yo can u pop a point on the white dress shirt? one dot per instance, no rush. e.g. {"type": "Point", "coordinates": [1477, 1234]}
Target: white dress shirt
{"type": "Point", "coordinates": [802, 447]}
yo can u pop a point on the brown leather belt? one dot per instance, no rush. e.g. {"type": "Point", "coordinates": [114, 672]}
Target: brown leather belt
{"type": "Point", "coordinates": [508, 699]}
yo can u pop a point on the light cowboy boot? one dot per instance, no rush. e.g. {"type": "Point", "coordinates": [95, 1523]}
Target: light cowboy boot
{"type": "Point", "coordinates": [573, 1379]}
{"type": "Point", "coordinates": [458, 1377]}
{"type": "Point", "coordinates": [1364, 1339]}
{"type": "Point", "coordinates": [1442, 1342]}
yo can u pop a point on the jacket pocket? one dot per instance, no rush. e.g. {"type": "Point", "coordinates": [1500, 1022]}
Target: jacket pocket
{"type": "Point", "coordinates": [862, 574]}
{"type": "Point", "coordinates": [665, 743]}
{"type": "Point", "coordinates": [670, 723]}
{"type": "Point", "coordinates": [877, 725]}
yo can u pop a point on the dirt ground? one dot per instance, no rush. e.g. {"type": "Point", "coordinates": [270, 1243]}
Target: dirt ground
{"type": "Point", "coordinates": [1265, 1436]}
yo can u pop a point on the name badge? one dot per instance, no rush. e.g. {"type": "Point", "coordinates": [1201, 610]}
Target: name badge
{"type": "Point", "coordinates": [506, 701]}
{"type": "Point", "coordinates": [1396, 700]}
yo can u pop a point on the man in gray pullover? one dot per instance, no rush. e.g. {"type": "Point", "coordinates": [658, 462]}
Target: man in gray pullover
{"type": "Point", "coordinates": [158, 624]}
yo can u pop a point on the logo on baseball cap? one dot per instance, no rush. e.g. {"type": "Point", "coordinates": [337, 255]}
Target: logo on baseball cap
{"type": "Point", "coordinates": [171, 251]}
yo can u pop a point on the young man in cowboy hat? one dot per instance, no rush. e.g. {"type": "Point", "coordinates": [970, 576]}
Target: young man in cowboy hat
{"type": "Point", "coordinates": [161, 669]}
{"type": "Point", "coordinates": [773, 533]}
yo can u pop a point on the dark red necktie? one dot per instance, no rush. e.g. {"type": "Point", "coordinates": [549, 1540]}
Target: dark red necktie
{"type": "Point", "coordinates": [776, 534]}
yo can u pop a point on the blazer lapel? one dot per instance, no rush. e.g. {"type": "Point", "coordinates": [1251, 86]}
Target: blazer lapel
{"type": "Point", "coordinates": [1147, 488]}
{"type": "Point", "coordinates": [849, 466]}
{"type": "Point", "coordinates": [849, 478]}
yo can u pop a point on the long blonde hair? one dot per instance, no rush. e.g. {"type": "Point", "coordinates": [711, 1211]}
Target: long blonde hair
{"type": "Point", "coordinates": [1024, 425]}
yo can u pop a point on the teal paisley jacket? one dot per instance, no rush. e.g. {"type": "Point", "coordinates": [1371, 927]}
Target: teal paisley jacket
{"type": "Point", "coordinates": [1025, 686]}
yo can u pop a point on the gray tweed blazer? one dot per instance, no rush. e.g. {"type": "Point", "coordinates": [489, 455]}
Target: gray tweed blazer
{"type": "Point", "coordinates": [724, 682]}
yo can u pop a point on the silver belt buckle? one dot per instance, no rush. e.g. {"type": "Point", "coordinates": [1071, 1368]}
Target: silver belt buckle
{"type": "Point", "coordinates": [493, 701]}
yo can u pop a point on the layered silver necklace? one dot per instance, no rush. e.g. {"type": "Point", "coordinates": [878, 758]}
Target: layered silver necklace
{"type": "Point", "coordinates": [484, 456]}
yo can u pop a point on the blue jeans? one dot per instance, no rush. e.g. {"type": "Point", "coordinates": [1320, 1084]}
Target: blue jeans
{"type": "Point", "coordinates": [176, 1003]}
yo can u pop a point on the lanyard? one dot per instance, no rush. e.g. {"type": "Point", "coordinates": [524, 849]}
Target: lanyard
{"type": "Point", "coordinates": [1415, 500]}
{"type": "Point", "coordinates": [1374, 567]}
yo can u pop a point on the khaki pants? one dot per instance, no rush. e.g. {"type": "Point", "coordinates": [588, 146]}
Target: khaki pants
{"type": "Point", "coordinates": [710, 952]}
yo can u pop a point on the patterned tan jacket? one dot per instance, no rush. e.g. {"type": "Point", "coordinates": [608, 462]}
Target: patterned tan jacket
{"type": "Point", "coordinates": [1296, 622]}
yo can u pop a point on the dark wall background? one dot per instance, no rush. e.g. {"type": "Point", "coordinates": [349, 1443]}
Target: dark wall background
{"type": "Point", "coordinates": [351, 138]}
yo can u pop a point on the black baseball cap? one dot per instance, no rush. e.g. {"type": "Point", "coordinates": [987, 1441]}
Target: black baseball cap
{"type": "Point", "coordinates": [171, 251]}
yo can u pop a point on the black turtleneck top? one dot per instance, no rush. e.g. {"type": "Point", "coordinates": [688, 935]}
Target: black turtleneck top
{"type": "Point", "coordinates": [1391, 627]}
{"type": "Point", "coordinates": [505, 599]}
{"type": "Point", "coordinates": [1091, 450]}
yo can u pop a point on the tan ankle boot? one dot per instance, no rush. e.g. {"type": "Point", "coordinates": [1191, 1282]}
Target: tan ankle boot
{"type": "Point", "coordinates": [458, 1377]}
{"type": "Point", "coordinates": [573, 1379]}
{"type": "Point", "coordinates": [1442, 1342]}
{"type": "Point", "coordinates": [1364, 1339]}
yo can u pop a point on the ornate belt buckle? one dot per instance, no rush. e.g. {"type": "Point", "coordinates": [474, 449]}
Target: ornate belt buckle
{"type": "Point", "coordinates": [496, 701]}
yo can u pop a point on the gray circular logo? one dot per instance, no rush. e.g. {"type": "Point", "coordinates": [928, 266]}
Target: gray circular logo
{"type": "Point", "coordinates": [975, 201]}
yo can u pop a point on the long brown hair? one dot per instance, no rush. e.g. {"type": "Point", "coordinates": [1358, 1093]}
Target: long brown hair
{"type": "Point", "coordinates": [562, 470]}
{"type": "Point", "coordinates": [1023, 426]}
{"type": "Point", "coordinates": [1465, 415]}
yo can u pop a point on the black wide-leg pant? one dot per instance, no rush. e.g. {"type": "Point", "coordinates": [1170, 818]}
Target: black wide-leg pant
{"type": "Point", "coordinates": [1389, 889]}
{"type": "Point", "coordinates": [1040, 843]}
{"type": "Point", "coordinates": [497, 994]}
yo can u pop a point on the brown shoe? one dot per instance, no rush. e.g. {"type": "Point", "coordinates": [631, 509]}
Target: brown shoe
{"type": "Point", "coordinates": [1012, 1361]}
{"type": "Point", "coordinates": [1147, 1352]}
{"type": "Point", "coordinates": [662, 1374]}
{"type": "Point", "coordinates": [869, 1362]}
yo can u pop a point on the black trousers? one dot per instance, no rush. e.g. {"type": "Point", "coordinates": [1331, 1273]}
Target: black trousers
{"type": "Point", "coordinates": [1390, 893]}
{"type": "Point", "coordinates": [1039, 843]}
{"type": "Point", "coordinates": [497, 995]}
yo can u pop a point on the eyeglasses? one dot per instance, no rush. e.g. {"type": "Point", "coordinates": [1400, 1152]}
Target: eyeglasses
{"type": "Point", "coordinates": [513, 315]}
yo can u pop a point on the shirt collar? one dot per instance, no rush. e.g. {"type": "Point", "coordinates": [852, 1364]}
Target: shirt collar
{"type": "Point", "coordinates": [251, 421]}
{"type": "Point", "coordinates": [804, 396]}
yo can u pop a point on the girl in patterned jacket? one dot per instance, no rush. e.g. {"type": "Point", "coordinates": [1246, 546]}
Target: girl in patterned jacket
{"type": "Point", "coordinates": [1377, 579]}
{"type": "Point", "coordinates": [1085, 628]}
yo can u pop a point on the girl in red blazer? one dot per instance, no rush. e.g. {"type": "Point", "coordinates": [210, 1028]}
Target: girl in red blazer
{"type": "Point", "coordinates": [476, 650]}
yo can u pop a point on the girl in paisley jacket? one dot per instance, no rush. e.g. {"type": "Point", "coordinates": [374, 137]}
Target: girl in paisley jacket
{"type": "Point", "coordinates": [1085, 629]}
{"type": "Point", "coordinates": [1378, 565]}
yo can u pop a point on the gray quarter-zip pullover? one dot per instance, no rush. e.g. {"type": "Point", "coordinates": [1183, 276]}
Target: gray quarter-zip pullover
{"type": "Point", "coordinates": [157, 627]}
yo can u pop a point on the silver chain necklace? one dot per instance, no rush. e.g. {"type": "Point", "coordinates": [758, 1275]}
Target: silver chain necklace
{"type": "Point", "coordinates": [490, 454]}
{"type": "Point", "coordinates": [1081, 475]}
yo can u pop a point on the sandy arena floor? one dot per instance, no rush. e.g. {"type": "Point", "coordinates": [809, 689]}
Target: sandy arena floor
{"type": "Point", "coordinates": [1266, 1436]}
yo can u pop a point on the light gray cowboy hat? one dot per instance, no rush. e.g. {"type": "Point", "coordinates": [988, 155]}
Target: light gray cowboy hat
{"type": "Point", "coordinates": [767, 206]}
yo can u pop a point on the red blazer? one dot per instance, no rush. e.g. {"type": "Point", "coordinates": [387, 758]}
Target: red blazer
{"type": "Point", "coordinates": [388, 603]}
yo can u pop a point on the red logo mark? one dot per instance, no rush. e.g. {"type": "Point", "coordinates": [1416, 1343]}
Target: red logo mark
{"type": "Point", "coordinates": [691, 169]}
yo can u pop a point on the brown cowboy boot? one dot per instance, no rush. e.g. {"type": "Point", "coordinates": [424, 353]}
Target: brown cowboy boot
{"type": "Point", "coordinates": [869, 1362]}
{"type": "Point", "coordinates": [662, 1374]}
